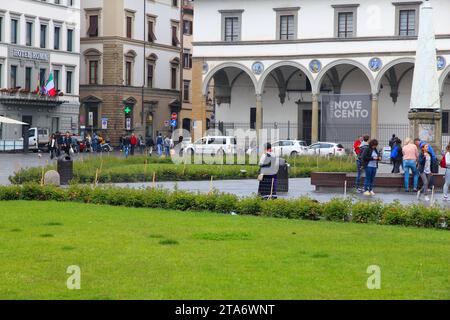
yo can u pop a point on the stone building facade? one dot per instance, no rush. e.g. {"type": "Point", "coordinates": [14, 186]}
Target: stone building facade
{"type": "Point", "coordinates": [130, 67]}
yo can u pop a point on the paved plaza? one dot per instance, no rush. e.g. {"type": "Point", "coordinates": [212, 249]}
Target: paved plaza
{"type": "Point", "coordinates": [242, 188]}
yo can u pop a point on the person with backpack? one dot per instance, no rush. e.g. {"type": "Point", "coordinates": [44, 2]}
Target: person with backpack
{"type": "Point", "coordinates": [370, 159]}
{"type": "Point", "coordinates": [445, 164]}
{"type": "Point", "coordinates": [396, 156]}
{"type": "Point", "coordinates": [425, 160]}
{"type": "Point", "coordinates": [434, 162]}
{"type": "Point", "coordinates": [359, 151]}
{"type": "Point", "coordinates": [410, 158]}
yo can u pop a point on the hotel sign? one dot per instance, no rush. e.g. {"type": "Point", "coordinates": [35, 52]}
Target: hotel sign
{"type": "Point", "coordinates": [29, 54]}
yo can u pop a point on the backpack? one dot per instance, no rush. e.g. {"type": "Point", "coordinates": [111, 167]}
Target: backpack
{"type": "Point", "coordinates": [361, 152]}
{"type": "Point", "coordinates": [444, 162]}
{"type": "Point", "coordinates": [394, 152]}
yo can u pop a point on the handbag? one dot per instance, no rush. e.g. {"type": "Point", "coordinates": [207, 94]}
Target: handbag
{"type": "Point", "coordinates": [260, 177]}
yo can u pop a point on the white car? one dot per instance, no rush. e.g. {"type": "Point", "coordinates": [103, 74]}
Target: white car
{"type": "Point", "coordinates": [326, 148]}
{"type": "Point", "coordinates": [290, 148]}
{"type": "Point", "coordinates": [213, 145]}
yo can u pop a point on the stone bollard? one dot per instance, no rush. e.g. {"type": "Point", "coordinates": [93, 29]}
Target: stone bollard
{"type": "Point", "coordinates": [52, 178]}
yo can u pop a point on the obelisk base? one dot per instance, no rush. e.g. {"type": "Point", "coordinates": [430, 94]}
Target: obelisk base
{"type": "Point", "coordinates": [426, 125]}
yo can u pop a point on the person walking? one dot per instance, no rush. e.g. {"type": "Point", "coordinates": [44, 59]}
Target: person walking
{"type": "Point", "coordinates": [67, 143]}
{"type": "Point", "coordinates": [150, 144]}
{"type": "Point", "coordinates": [397, 156]}
{"type": "Point", "coordinates": [141, 144]}
{"type": "Point", "coordinates": [410, 158]}
{"type": "Point", "coordinates": [425, 160]}
{"type": "Point", "coordinates": [167, 146]}
{"type": "Point", "coordinates": [133, 143]}
{"type": "Point", "coordinates": [268, 165]}
{"type": "Point", "coordinates": [434, 162]}
{"type": "Point", "coordinates": [52, 145]}
{"type": "Point", "coordinates": [447, 172]}
{"type": "Point", "coordinates": [159, 144]}
{"type": "Point", "coordinates": [359, 149]}
{"type": "Point", "coordinates": [370, 159]}
{"type": "Point", "coordinates": [126, 146]}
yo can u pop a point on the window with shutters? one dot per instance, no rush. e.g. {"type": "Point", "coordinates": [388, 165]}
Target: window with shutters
{"type": "Point", "coordinates": [231, 25]}
{"type": "Point", "coordinates": [93, 26]}
{"type": "Point", "coordinates": [345, 20]}
{"type": "Point", "coordinates": [187, 59]}
{"type": "Point", "coordinates": [407, 23]}
{"type": "Point", "coordinates": [151, 30]}
{"type": "Point", "coordinates": [345, 25]}
{"type": "Point", "coordinates": [287, 27]}
{"type": "Point", "coordinates": [175, 38]}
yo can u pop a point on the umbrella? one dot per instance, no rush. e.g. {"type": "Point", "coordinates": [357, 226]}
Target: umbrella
{"type": "Point", "coordinates": [11, 121]}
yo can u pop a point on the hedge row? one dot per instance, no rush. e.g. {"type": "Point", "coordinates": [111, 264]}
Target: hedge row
{"type": "Point", "coordinates": [124, 170]}
{"type": "Point", "coordinates": [343, 210]}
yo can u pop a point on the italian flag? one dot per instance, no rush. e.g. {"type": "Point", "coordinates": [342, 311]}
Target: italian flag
{"type": "Point", "coordinates": [50, 86]}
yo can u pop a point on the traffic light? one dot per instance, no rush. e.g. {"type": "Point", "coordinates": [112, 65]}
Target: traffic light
{"type": "Point", "coordinates": [127, 110]}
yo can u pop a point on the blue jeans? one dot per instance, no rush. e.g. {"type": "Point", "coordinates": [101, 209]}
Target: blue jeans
{"type": "Point", "coordinates": [358, 175]}
{"type": "Point", "coordinates": [371, 172]}
{"type": "Point", "coordinates": [159, 149]}
{"type": "Point", "coordinates": [407, 165]}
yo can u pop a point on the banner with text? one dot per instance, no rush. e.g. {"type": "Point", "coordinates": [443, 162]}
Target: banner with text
{"type": "Point", "coordinates": [345, 117]}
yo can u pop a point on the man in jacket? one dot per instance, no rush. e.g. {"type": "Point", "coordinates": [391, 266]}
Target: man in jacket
{"type": "Point", "coordinates": [133, 143]}
{"type": "Point", "coordinates": [363, 145]}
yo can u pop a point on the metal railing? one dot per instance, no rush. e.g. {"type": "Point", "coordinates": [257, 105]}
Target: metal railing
{"type": "Point", "coordinates": [11, 145]}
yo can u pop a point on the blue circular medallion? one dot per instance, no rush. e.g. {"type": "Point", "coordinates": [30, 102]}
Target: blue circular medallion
{"type": "Point", "coordinates": [441, 63]}
{"type": "Point", "coordinates": [205, 68]}
{"type": "Point", "coordinates": [375, 64]}
{"type": "Point", "coordinates": [258, 68]}
{"type": "Point", "coordinates": [315, 66]}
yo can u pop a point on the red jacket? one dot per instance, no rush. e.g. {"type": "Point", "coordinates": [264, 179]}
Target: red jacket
{"type": "Point", "coordinates": [133, 140]}
{"type": "Point", "coordinates": [356, 146]}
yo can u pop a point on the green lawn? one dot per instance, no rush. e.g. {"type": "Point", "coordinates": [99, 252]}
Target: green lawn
{"type": "Point", "coordinates": [154, 254]}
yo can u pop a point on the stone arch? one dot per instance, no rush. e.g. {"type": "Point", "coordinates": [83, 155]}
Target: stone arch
{"type": "Point", "coordinates": [223, 66]}
{"type": "Point", "coordinates": [388, 66]}
{"type": "Point", "coordinates": [328, 67]}
{"type": "Point", "coordinates": [445, 73]}
{"type": "Point", "coordinates": [277, 65]}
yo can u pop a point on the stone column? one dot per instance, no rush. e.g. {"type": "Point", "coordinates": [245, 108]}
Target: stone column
{"type": "Point", "coordinates": [427, 126]}
{"type": "Point", "coordinates": [374, 121]}
{"type": "Point", "coordinates": [315, 118]}
{"type": "Point", "coordinates": [259, 113]}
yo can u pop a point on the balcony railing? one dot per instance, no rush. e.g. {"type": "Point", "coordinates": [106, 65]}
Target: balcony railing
{"type": "Point", "coordinates": [25, 97]}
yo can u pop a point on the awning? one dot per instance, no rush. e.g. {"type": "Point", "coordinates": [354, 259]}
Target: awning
{"type": "Point", "coordinates": [11, 121]}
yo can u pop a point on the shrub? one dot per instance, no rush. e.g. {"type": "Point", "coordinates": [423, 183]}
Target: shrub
{"type": "Point", "coordinates": [364, 212]}
{"type": "Point", "coordinates": [180, 200]}
{"type": "Point", "coordinates": [279, 208]}
{"type": "Point", "coordinates": [250, 206]}
{"type": "Point", "coordinates": [395, 214]}
{"type": "Point", "coordinates": [226, 203]}
{"type": "Point", "coordinates": [337, 209]}
{"type": "Point", "coordinates": [306, 208]}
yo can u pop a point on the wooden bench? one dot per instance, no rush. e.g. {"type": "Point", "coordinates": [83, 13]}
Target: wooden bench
{"type": "Point", "coordinates": [384, 182]}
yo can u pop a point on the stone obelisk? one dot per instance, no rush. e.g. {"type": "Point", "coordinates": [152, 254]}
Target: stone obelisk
{"type": "Point", "coordinates": [425, 108]}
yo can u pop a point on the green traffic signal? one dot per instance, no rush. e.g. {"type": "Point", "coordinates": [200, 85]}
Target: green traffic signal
{"type": "Point", "coordinates": [127, 110]}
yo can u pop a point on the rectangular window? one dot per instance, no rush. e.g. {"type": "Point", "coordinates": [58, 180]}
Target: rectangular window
{"type": "Point", "coordinates": [186, 90]}
{"type": "Point", "coordinates": [69, 40]}
{"type": "Point", "coordinates": [13, 79]}
{"type": "Point", "coordinates": [56, 79]}
{"type": "Point", "coordinates": [232, 29]}
{"type": "Point", "coordinates": [1, 29]}
{"type": "Point", "coordinates": [57, 39]}
{"type": "Point", "coordinates": [69, 82]}
{"type": "Point", "coordinates": [29, 34]}
{"type": "Point", "coordinates": [93, 26]}
{"type": "Point", "coordinates": [175, 41]}
{"type": "Point", "coordinates": [175, 3]}
{"type": "Point", "coordinates": [407, 23]}
{"type": "Point", "coordinates": [187, 27]}
{"type": "Point", "coordinates": [173, 78]}
{"type": "Point", "coordinates": [187, 59]}
{"type": "Point", "coordinates": [43, 43]}
{"type": "Point", "coordinates": [128, 73]}
{"type": "Point", "coordinates": [150, 71]}
{"type": "Point", "coordinates": [345, 24]}
{"type": "Point", "coordinates": [93, 72]}
{"type": "Point", "coordinates": [151, 31]}
{"type": "Point", "coordinates": [129, 27]}
{"type": "Point", "coordinates": [42, 75]}
{"type": "Point", "coordinates": [14, 30]}
{"type": "Point", "coordinates": [287, 27]}
{"type": "Point", "coordinates": [28, 71]}
{"type": "Point", "coordinates": [1, 69]}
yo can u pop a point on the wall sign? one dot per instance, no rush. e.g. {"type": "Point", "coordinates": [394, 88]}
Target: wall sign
{"type": "Point", "coordinates": [29, 54]}
{"type": "Point", "coordinates": [258, 68]}
{"type": "Point", "coordinates": [375, 64]}
{"type": "Point", "coordinates": [315, 66]}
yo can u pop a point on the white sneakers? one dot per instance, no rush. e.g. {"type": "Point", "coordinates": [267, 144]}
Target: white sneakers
{"type": "Point", "coordinates": [369, 193]}
{"type": "Point", "coordinates": [427, 199]}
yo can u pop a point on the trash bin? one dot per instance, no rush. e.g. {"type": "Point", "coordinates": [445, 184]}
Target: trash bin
{"type": "Point", "coordinates": [65, 169]}
{"type": "Point", "coordinates": [283, 177]}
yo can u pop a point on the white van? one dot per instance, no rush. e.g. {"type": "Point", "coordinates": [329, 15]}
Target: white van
{"type": "Point", "coordinates": [213, 145]}
{"type": "Point", "coordinates": [38, 138]}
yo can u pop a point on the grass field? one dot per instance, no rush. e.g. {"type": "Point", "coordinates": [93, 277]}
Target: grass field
{"type": "Point", "coordinates": [111, 169]}
{"type": "Point", "coordinates": [153, 254]}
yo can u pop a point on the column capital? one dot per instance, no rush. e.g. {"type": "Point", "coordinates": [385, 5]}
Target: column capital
{"type": "Point", "coordinates": [375, 96]}
{"type": "Point", "coordinates": [258, 97]}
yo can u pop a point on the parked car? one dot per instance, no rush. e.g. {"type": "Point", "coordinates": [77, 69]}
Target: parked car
{"type": "Point", "coordinates": [290, 148]}
{"type": "Point", "coordinates": [213, 145]}
{"type": "Point", "coordinates": [326, 148]}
